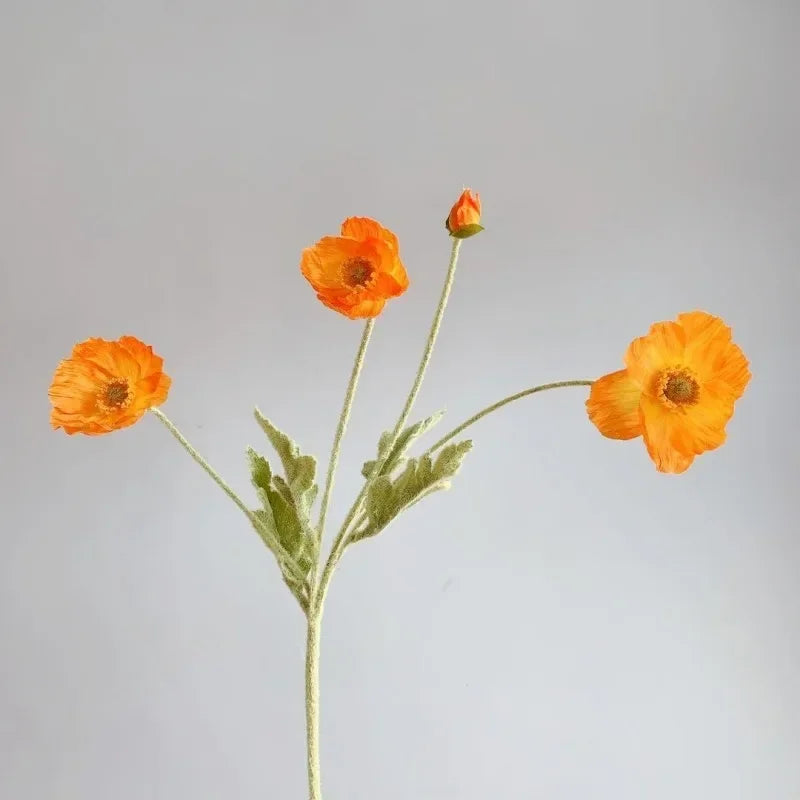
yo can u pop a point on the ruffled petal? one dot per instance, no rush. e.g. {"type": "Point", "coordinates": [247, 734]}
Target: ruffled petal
{"type": "Point", "coordinates": [354, 306]}
{"type": "Point", "coordinates": [658, 433]}
{"type": "Point", "coordinates": [335, 268]}
{"type": "Point", "coordinates": [733, 369]}
{"type": "Point", "coordinates": [699, 428]}
{"type": "Point", "coordinates": [613, 406]}
{"type": "Point", "coordinates": [363, 228]}
{"type": "Point", "coordinates": [648, 355]}
{"type": "Point", "coordinates": [80, 383]}
{"type": "Point", "coordinates": [321, 264]}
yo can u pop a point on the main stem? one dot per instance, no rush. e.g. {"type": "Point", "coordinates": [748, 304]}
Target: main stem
{"type": "Point", "coordinates": [315, 607]}
{"type": "Point", "coordinates": [317, 602]}
{"type": "Point", "coordinates": [312, 702]}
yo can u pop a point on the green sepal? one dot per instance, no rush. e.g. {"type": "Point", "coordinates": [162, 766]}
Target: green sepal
{"type": "Point", "coordinates": [465, 231]}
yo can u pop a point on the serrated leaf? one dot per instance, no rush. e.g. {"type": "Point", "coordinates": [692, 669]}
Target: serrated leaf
{"type": "Point", "coordinates": [299, 469]}
{"type": "Point", "coordinates": [451, 456]}
{"type": "Point", "coordinates": [422, 476]}
{"type": "Point", "coordinates": [378, 499]}
{"type": "Point", "coordinates": [286, 505]}
{"type": "Point", "coordinates": [297, 585]}
{"type": "Point", "coordinates": [260, 471]}
{"type": "Point", "coordinates": [281, 486]}
{"type": "Point", "coordinates": [406, 438]}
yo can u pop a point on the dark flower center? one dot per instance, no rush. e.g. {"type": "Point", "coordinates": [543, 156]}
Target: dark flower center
{"type": "Point", "coordinates": [357, 272]}
{"type": "Point", "coordinates": [681, 388]}
{"type": "Point", "coordinates": [116, 394]}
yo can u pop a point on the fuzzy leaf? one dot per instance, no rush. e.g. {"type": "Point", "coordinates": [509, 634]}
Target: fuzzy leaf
{"type": "Point", "coordinates": [286, 506]}
{"type": "Point", "coordinates": [267, 529]}
{"type": "Point", "coordinates": [260, 471]}
{"type": "Point", "coordinates": [404, 441]}
{"type": "Point", "coordinates": [299, 469]}
{"type": "Point", "coordinates": [421, 476]}
{"type": "Point", "coordinates": [379, 499]}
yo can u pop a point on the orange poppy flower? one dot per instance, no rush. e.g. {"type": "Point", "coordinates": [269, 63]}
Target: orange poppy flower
{"type": "Point", "coordinates": [464, 219]}
{"type": "Point", "coordinates": [357, 272]}
{"type": "Point", "coordinates": [677, 390]}
{"type": "Point", "coordinates": [104, 386]}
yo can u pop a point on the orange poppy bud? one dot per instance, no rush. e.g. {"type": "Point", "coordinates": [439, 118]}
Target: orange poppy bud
{"type": "Point", "coordinates": [465, 216]}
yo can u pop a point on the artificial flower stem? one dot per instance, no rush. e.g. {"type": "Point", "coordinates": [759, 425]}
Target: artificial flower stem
{"type": "Point", "coordinates": [215, 476]}
{"type": "Point", "coordinates": [499, 404]}
{"type": "Point", "coordinates": [312, 703]}
{"type": "Point", "coordinates": [342, 539]}
{"type": "Point", "coordinates": [342, 425]}
{"type": "Point", "coordinates": [423, 364]}
{"type": "Point", "coordinates": [485, 412]}
{"type": "Point", "coordinates": [317, 603]}
{"type": "Point", "coordinates": [315, 610]}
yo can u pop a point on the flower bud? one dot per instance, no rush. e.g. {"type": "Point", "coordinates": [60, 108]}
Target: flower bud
{"type": "Point", "coordinates": [465, 216]}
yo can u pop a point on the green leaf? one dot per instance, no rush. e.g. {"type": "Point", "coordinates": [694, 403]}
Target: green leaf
{"type": "Point", "coordinates": [379, 500]}
{"type": "Point", "coordinates": [299, 469]}
{"type": "Point", "coordinates": [286, 506]}
{"type": "Point", "coordinates": [268, 531]}
{"type": "Point", "coordinates": [450, 458]}
{"type": "Point", "coordinates": [260, 471]}
{"type": "Point", "coordinates": [422, 476]}
{"type": "Point", "coordinates": [404, 441]}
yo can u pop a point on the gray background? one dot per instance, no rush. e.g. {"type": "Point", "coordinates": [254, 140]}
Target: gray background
{"type": "Point", "coordinates": [566, 623]}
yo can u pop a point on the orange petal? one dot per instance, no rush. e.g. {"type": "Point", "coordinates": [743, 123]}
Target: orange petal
{"type": "Point", "coordinates": [613, 406]}
{"type": "Point", "coordinates": [701, 328]}
{"type": "Point", "coordinates": [321, 264]}
{"type": "Point", "coordinates": [701, 427]}
{"type": "Point", "coordinates": [353, 306]}
{"type": "Point", "coordinates": [363, 228]}
{"type": "Point", "coordinates": [387, 285]}
{"type": "Point", "coordinates": [392, 267]}
{"type": "Point", "coordinates": [149, 362]}
{"type": "Point", "coordinates": [711, 353]}
{"type": "Point", "coordinates": [71, 428]}
{"type": "Point", "coordinates": [99, 352]}
{"type": "Point", "coordinates": [648, 355]}
{"type": "Point", "coordinates": [152, 390]}
{"type": "Point", "coordinates": [734, 369]}
{"type": "Point", "coordinates": [79, 381]}
{"type": "Point", "coordinates": [658, 428]}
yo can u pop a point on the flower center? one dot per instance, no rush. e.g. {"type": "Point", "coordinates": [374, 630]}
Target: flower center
{"type": "Point", "coordinates": [115, 395]}
{"type": "Point", "coordinates": [679, 387]}
{"type": "Point", "coordinates": [357, 272]}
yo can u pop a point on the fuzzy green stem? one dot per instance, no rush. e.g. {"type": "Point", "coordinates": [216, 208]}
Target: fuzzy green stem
{"type": "Point", "coordinates": [317, 602]}
{"type": "Point", "coordinates": [342, 538]}
{"type": "Point", "coordinates": [314, 612]}
{"type": "Point", "coordinates": [485, 412]}
{"type": "Point", "coordinates": [499, 404]}
{"type": "Point", "coordinates": [342, 425]}
{"type": "Point", "coordinates": [312, 705]}
{"type": "Point", "coordinates": [215, 476]}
